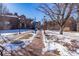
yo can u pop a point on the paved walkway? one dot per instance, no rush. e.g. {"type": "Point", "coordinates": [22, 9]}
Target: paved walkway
{"type": "Point", "coordinates": [34, 49]}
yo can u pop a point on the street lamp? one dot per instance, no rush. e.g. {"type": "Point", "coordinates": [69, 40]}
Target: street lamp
{"type": "Point", "coordinates": [19, 25]}
{"type": "Point", "coordinates": [35, 25]}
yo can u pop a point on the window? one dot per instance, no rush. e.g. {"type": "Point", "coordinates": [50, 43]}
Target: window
{"type": "Point", "coordinates": [4, 23]}
{"type": "Point", "coordinates": [1, 23]}
{"type": "Point", "coordinates": [77, 26]}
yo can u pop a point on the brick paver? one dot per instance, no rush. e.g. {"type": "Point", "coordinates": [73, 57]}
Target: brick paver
{"type": "Point", "coordinates": [33, 49]}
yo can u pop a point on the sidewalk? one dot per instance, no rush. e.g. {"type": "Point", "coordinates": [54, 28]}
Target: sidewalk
{"type": "Point", "coordinates": [34, 49]}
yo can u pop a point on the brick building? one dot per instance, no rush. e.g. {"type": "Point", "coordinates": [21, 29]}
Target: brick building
{"type": "Point", "coordinates": [8, 21]}
{"type": "Point", "coordinates": [13, 21]}
{"type": "Point", "coordinates": [70, 25]}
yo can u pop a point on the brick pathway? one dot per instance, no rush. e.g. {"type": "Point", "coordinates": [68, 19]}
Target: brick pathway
{"type": "Point", "coordinates": [34, 49]}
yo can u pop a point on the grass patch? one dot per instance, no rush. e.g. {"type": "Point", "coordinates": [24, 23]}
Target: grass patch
{"type": "Point", "coordinates": [1, 42]}
{"type": "Point", "coordinates": [27, 36]}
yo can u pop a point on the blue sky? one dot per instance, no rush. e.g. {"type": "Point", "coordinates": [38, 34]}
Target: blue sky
{"type": "Point", "coordinates": [27, 9]}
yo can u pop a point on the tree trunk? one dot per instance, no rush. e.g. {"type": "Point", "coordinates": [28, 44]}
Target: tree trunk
{"type": "Point", "coordinates": [61, 30]}
{"type": "Point", "coordinates": [44, 31]}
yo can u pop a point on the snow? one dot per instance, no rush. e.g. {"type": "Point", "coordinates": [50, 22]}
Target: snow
{"type": "Point", "coordinates": [45, 44]}
{"type": "Point", "coordinates": [67, 36]}
{"type": "Point", "coordinates": [56, 42]}
{"type": "Point", "coordinates": [63, 50]}
{"type": "Point", "coordinates": [10, 46]}
{"type": "Point", "coordinates": [52, 41]}
{"type": "Point", "coordinates": [77, 51]}
{"type": "Point", "coordinates": [10, 16]}
{"type": "Point", "coordinates": [10, 34]}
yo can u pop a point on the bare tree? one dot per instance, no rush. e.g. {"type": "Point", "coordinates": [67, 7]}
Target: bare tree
{"type": "Point", "coordinates": [77, 10]}
{"type": "Point", "coordinates": [3, 9]}
{"type": "Point", "coordinates": [60, 12]}
{"type": "Point", "coordinates": [0, 8]}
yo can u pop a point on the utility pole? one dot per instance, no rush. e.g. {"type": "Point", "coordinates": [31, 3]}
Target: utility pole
{"type": "Point", "coordinates": [35, 25]}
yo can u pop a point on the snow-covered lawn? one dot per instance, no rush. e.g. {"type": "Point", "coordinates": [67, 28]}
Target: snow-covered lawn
{"type": "Point", "coordinates": [16, 31]}
{"type": "Point", "coordinates": [64, 45]}
{"type": "Point", "coordinates": [13, 35]}
{"type": "Point", "coordinates": [10, 46]}
{"type": "Point", "coordinates": [67, 44]}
